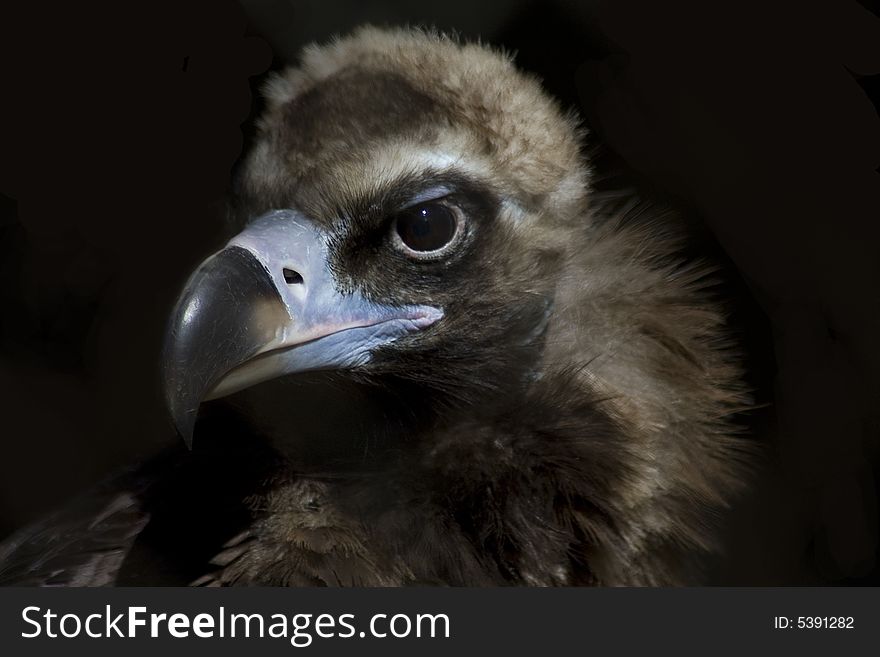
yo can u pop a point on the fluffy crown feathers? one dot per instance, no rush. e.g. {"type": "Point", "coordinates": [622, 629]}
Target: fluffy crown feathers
{"type": "Point", "coordinates": [527, 142]}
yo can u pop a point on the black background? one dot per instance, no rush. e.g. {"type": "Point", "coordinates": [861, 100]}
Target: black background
{"type": "Point", "coordinates": [121, 124]}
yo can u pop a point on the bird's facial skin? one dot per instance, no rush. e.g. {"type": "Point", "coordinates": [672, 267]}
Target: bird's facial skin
{"type": "Point", "coordinates": [394, 286]}
{"type": "Point", "coordinates": [494, 287]}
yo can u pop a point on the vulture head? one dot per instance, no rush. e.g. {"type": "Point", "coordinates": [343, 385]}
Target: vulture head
{"type": "Point", "coordinates": [536, 391]}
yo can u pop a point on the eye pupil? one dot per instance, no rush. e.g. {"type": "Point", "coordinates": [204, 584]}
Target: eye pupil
{"type": "Point", "coordinates": [427, 227]}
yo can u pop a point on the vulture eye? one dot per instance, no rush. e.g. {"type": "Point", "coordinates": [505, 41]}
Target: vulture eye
{"type": "Point", "coordinates": [426, 228]}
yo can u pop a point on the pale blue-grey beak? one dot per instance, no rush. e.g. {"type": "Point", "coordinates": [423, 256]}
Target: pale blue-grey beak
{"type": "Point", "coordinates": [266, 305]}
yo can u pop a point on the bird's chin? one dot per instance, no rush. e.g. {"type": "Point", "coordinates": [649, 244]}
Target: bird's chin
{"type": "Point", "coordinates": [319, 421]}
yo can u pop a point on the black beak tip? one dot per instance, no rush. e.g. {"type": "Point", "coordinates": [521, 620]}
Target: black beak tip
{"type": "Point", "coordinates": [182, 398]}
{"type": "Point", "coordinates": [185, 431]}
{"type": "Point", "coordinates": [184, 420]}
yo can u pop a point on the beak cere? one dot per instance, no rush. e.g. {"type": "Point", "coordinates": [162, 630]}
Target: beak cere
{"type": "Point", "coordinates": [264, 306]}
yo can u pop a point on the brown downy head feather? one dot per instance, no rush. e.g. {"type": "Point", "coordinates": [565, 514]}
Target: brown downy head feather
{"type": "Point", "coordinates": [380, 104]}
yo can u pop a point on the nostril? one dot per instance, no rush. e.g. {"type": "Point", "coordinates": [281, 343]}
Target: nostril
{"type": "Point", "coordinates": [292, 277]}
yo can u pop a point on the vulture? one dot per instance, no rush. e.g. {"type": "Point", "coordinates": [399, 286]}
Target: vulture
{"type": "Point", "coordinates": [427, 355]}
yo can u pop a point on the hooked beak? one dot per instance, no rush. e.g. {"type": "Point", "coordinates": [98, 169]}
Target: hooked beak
{"type": "Point", "coordinates": [264, 306]}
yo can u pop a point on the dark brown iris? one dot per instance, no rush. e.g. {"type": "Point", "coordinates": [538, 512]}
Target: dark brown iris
{"type": "Point", "coordinates": [426, 227]}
